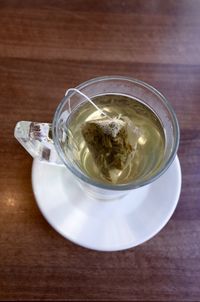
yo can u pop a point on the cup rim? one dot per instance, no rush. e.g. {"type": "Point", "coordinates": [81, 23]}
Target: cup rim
{"type": "Point", "coordinates": [116, 187]}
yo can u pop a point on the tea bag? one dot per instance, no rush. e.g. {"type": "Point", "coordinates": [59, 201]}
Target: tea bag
{"type": "Point", "coordinates": [112, 143]}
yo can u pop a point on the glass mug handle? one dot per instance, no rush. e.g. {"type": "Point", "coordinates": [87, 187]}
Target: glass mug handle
{"type": "Point", "coordinates": [37, 139]}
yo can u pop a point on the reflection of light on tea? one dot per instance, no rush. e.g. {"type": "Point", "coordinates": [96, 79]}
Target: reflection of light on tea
{"type": "Point", "coordinates": [94, 115]}
{"type": "Point", "coordinates": [82, 145]}
{"type": "Point", "coordinates": [107, 110]}
{"type": "Point", "coordinates": [142, 140]}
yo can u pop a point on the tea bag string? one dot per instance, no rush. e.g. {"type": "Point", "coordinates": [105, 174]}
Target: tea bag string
{"type": "Point", "coordinates": [87, 98]}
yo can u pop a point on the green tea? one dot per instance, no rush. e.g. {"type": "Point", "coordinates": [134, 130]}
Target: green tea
{"type": "Point", "coordinates": [150, 145]}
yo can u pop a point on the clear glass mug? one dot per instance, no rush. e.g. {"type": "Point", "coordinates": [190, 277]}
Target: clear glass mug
{"type": "Point", "coordinates": [45, 141]}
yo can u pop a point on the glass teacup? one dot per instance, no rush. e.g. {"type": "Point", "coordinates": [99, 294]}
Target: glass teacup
{"type": "Point", "coordinates": [45, 141]}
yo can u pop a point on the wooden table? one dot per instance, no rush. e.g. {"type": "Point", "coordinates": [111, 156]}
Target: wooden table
{"type": "Point", "coordinates": [48, 46]}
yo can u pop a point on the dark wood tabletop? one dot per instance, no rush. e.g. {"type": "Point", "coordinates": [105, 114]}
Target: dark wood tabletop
{"type": "Point", "coordinates": [47, 47]}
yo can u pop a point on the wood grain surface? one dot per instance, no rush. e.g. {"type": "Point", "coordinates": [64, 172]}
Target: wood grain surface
{"type": "Point", "coordinates": [47, 47]}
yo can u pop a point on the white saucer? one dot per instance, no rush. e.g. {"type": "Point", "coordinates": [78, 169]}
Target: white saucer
{"type": "Point", "coordinates": [104, 225]}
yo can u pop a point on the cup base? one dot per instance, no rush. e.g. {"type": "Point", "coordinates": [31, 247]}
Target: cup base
{"type": "Point", "coordinates": [101, 194]}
